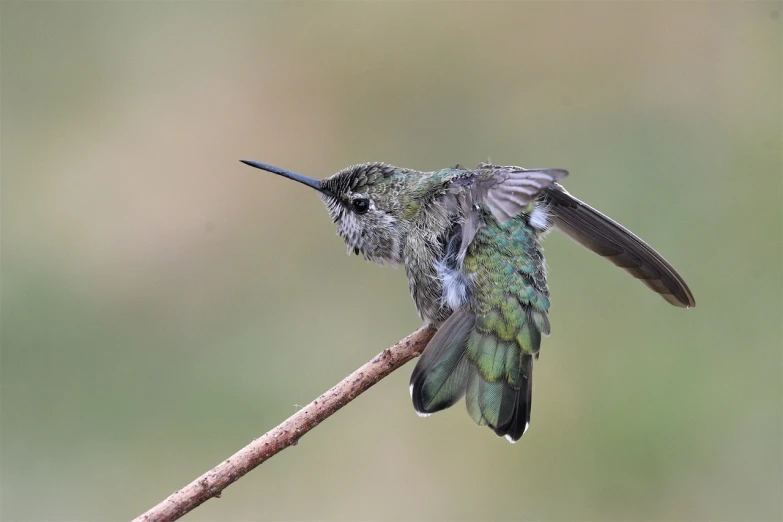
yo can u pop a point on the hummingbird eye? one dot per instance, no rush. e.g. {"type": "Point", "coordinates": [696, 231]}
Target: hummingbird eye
{"type": "Point", "coordinates": [361, 205]}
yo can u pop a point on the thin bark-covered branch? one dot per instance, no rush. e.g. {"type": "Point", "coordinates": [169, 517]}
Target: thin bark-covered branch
{"type": "Point", "coordinates": [213, 482]}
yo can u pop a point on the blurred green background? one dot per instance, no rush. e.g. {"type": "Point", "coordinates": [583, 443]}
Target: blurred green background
{"type": "Point", "coordinates": [163, 304]}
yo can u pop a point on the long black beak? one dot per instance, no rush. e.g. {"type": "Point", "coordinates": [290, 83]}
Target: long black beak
{"type": "Point", "coordinates": [310, 182]}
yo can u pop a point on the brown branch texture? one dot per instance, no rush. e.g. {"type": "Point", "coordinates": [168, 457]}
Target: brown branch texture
{"type": "Point", "coordinates": [213, 482]}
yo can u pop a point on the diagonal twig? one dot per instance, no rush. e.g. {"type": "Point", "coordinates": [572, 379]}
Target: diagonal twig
{"type": "Point", "coordinates": [213, 482]}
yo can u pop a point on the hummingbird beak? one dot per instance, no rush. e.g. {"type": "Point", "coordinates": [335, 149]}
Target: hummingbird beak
{"type": "Point", "coordinates": [310, 182]}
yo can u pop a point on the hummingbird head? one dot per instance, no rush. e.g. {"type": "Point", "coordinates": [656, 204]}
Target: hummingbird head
{"type": "Point", "coordinates": [364, 202]}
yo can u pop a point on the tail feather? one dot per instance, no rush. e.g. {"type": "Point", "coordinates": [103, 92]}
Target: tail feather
{"type": "Point", "coordinates": [494, 376]}
{"type": "Point", "coordinates": [496, 392]}
{"type": "Point", "coordinates": [441, 374]}
{"type": "Point", "coordinates": [497, 401]}
{"type": "Point", "coordinates": [500, 385]}
{"type": "Point", "coordinates": [498, 405]}
{"type": "Point", "coordinates": [523, 400]}
{"type": "Point", "coordinates": [472, 400]}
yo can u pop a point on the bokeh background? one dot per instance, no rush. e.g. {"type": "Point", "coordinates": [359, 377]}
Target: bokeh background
{"type": "Point", "coordinates": [162, 304]}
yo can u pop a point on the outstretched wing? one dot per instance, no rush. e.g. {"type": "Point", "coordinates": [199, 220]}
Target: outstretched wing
{"type": "Point", "coordinates": [605, 237]}
{"type": "Point", "coordinates": [506, 191]}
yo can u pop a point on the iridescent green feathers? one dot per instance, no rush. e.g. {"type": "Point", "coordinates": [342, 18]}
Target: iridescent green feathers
{"type": "Point", "coordinates": [440, 377]}
{"type": "Point", "coordinates": [469, 239]}
{"type": "Point", "coordinates": [485, 350]}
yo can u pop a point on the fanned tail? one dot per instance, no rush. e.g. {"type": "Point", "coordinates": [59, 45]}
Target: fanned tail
{"type": "Point", "coordinates": [496, 376]}
{"type": "Point", "coordinates": [440, 376]}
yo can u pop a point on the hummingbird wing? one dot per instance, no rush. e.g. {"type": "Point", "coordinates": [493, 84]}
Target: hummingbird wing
{"type": "Point", "coordinates": [506, 191]}
{"type": "Point", "coordinates": [606, 237]}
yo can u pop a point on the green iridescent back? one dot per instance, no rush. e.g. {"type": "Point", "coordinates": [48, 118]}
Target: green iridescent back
{"type": "Point", "coordinates": [510, 302]}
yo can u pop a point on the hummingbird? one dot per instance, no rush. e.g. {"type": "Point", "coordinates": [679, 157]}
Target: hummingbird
{"type": "Point", "coordinates": [470, 241]}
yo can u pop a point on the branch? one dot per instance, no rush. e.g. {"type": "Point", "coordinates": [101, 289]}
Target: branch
{"type": "Point", "coordinates": [213, 482]}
